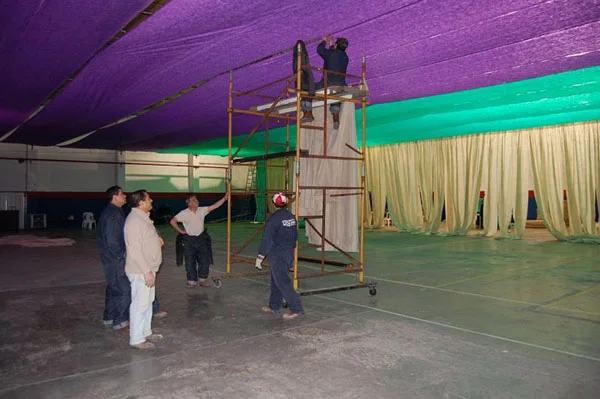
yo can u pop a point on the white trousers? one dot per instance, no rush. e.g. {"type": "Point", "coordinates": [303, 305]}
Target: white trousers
{"type": "Point", "coordinates": [140, 310]}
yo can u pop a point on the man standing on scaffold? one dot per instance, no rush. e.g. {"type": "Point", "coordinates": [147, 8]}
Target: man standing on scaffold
{"type": "Point", "coordinates": [335, 59]}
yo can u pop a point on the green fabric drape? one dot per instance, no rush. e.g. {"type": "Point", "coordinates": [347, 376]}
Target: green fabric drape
{"type": "Point", "coordinates": [268, 178]}
{"type": "Point", "coordinates": [562, 98]}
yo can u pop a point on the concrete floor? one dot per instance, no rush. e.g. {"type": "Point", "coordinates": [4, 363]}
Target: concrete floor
{"type": "Point", "coordinates": [454, 317]}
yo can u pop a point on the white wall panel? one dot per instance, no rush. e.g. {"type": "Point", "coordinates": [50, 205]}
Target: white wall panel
{"type": "Point", "coordinates": [151, 171]}
{"type": "Point", "coordinates": [12, 172]}
{"type": "Point", "coordinates": [53, 169]}
{"type": "Point", "coordinates": [165, 176]}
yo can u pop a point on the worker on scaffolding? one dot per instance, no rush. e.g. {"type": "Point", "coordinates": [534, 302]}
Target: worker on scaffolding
{"type": "Point", "coordinates": [279, 241]}
{"type": "Point", "coordinates": [336, 60]}
{"type": "Point", "coordinates": [307, 80]}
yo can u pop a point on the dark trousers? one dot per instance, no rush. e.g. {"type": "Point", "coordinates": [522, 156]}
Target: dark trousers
{"type": "Point", "coordinates": [155, 305]}
{"type": "Point", "coordinates": [118, 290]}
{"type": "Point", "coordinates": [281, 284]}
{"type": "Point", "coordinates": [179, 249]}
{"type": "Point", "coordinates": [198, 256]}
{"type": "Point", "coordinates": [308, 83]}
{"type": "Point", "coordinates": [307, 103]}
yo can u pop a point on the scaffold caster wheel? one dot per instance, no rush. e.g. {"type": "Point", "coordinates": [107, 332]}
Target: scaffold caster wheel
{"type": "Point", "coordinates": [217, 282]}
{"type": "Point", "coordinates": [284, 304]}
{"type": "Point", "coordinates": [372, 291]}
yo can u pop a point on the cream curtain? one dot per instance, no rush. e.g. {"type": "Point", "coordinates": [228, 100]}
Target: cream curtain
{"type": "Point", "coordinates": [399, 169]}
{"type": "Point", "coordinates": [431, 184]}
{"type": "Point", "coordinates": [405, 207]}
{"type": "Point", "coordinates": [417, 178]}
{"type": "Point", "coordinates": [506, 188]}
{"type": "Point", "coordinates": [376, 184]}
{"type": "Point", "coordinates": [522, 182]}
{"type": "Point", "coordinates": [463, 165]}
{"type": "Point", "coordinates": [567, 159]}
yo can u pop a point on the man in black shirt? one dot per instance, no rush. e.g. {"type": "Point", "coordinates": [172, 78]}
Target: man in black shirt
{"type": "Point", "coordinates": [110, 238]}
{"type": "Point", "coordinates": [335, 60]}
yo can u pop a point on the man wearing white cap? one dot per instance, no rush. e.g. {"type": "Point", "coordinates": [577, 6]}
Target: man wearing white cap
{"type": "Point", "coordinates": [279, 241]}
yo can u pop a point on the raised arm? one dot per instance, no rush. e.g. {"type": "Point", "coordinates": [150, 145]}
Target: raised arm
{"type": "Point", "coordinates": [322, 49]}
{"type": "Point", "coordinates": [218, 203]}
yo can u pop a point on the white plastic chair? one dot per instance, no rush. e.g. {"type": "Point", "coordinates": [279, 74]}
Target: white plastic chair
{"type": "Point", "coordinates": [88, 221]}
{"type": "Point", "coordinates": [387, 221]}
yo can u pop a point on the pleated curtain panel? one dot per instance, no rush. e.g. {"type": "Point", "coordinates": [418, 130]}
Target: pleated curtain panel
{"type": "Point", "coordinates": [561, 164]}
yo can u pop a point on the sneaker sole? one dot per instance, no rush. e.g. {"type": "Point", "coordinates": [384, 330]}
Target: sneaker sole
{"type": "Point", "coordinates": [149, 346]}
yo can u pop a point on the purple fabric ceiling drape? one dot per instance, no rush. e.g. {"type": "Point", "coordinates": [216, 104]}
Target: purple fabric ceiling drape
{"type": "Point", "coordinates": [414, 48]}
